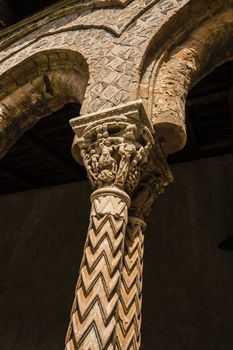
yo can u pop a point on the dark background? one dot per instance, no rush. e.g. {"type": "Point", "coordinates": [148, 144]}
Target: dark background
{"type": "Point", "coordinates": [188, 279]}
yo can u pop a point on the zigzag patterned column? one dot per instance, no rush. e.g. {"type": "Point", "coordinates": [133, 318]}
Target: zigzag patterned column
{"type": "Point", "coordinates": [156, 176]}
{"type": "Point", "coordinates": [95, 309]}
{"type": "Point", "coordinates": [129, 325]}
{"type": "Point", "coordinates": [114, 146]}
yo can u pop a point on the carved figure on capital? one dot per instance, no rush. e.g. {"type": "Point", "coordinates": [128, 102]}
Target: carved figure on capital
{"type": "Point", "coordinates": [122, 158]}
{"type": "Point", "coordinates": [114, 151]}
{"type": "Point", "coordinates": [156, 176]}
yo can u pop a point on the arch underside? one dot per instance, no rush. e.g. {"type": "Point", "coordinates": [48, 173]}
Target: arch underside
{"type": "Point", "coordinates": [52, 79]}
{"type": "Point", "coordinates": [108, 69]}
{"type": "Point", "coordinates": [169, 77]}
{"type": "Point", "coordinates": [119, 72]}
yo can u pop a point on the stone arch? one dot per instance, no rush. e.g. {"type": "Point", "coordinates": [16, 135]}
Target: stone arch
{"type": "Point", "coordinates": [171, 76]}
{"type": "Point", "coordinates": [38, 86]}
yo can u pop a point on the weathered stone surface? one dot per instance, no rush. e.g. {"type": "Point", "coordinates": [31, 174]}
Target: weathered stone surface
{"type": "Point", "coordinates": [94, 315]}
{"type": "Point", "coordinates": [116, 43]}
{"type": "Point", "coordinates": [115, 146]}
{"type": "Point", "coordinates": [105, 55]}
{"type": "Point", "coordinates": [206, 47]}
{"type": "Point", "coordinates": [52, 80]}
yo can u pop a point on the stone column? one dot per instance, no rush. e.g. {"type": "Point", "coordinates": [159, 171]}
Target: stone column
{"type": "Point", "coordinates": [114, 145]}
{"type": "Point", "coordinates": [128, 331]}
{"type": "Point", "coordinates": [156, 176]}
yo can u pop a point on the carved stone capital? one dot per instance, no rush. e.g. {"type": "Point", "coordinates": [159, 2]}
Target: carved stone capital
{"type": "Point", "coordinates": [114, 145]}
{"type": "Point", "coordinates": [156, 177]}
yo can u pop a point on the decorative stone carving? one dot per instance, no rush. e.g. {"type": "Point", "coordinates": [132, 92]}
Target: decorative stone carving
{"type": "Point", "coordinates": [156, 176]}
{"type": "Point", "coordinates": [114, 145]}
{"type": "Point", "coordinates": [121, 43]}
{"type": "Point", "coordinates": [95, 310]}
{"type": "Point", "coordinates": [118, 39]}
{"type": "Point", "coordinates": [128, 331]}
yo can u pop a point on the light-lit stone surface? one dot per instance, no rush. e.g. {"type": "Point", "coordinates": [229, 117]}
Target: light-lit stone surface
{"type": "Point", "coordinates": [117, 147]}
{"type": "Point", "coordinates": [130, 64]}
{"type": "Point", "coordinates": [127, 48]}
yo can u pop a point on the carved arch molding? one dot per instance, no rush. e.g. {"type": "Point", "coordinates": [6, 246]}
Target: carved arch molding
{"type": "Point", "coordinates": [130, 64]}
{"type": "Point", "coordinates": [37, 87]}
{"type": "Point", "coordinates": [132, 49]}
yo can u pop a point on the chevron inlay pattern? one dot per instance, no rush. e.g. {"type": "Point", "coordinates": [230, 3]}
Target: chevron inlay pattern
{"type": "Point", "coordinates": [130, 302]}
{"type": "Point", "coordinates": [95, 309]}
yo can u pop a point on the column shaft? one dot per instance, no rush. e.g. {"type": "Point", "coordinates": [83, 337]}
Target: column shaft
{"type": "Point", "coordinates": [115, 146]}
{"type": "Point", "coordinates": [130, 298]}
{"type": "Point", "coordinates": [95, 315]}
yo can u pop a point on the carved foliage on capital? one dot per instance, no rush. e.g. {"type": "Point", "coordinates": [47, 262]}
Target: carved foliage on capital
{"type": "Point", "coordinates": [114, 146]}
{"type": "Point", "coordinates": [156, 177]}
{"type": "Point", "coordinates": [114, 158]}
